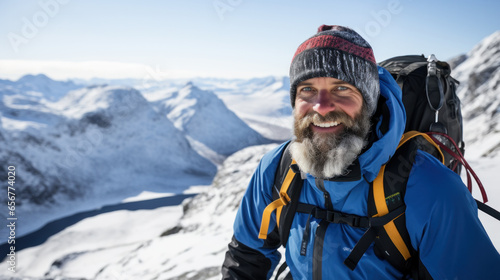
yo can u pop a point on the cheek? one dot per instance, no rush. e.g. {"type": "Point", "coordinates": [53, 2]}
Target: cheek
{"type": "Point", "coordinates": [350, 106]}
{"type": "Point", "coordinates": [356, 110]}
{"type": "Point", "coordinates": [301, 108]}
{"type": "Point", "coordinates": [352, 111]}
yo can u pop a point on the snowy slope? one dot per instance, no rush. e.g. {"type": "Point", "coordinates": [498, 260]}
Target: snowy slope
{"type": "Point", "coordinates": [152, 244]}
{"type": "Point", "coordinates": [195, 247]}
{"type": "Point", "coordinates": [203, 117]}
{"type": "Point", "coordinates": [82, 250]}
{"type": "Point", "coordinates": [479, 92]}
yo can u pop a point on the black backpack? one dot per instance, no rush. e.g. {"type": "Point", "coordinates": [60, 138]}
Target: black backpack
{"type": "Point", "coordinates": [430, 100]}
{"type": "Point", "coordinates": [432, 106]}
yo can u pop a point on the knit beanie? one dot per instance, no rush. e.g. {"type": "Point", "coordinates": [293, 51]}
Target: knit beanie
{"type": "Point", "coordinates": [338, 52]}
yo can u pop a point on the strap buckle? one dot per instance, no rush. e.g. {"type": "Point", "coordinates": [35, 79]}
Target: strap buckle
{"type": "Point", "coordinates": [352, 220]}
{"type": "Point", "coordinates": [285, 199]}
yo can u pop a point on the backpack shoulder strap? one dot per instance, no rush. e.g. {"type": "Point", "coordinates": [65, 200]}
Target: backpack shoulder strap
{"type": "Point", "coordinates": [386, 205]}
{"type": "Point", "coordinates": [488, 210]}
{"type": "Point", "coordinates": [387, 195]}
{"type": "Point", "coordinates": [287, 186]}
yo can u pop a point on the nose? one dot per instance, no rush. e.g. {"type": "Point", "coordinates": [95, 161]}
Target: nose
{"type": "Point", "coordinates": [324, 103]}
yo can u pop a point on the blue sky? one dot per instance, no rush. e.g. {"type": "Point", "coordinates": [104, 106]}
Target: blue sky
{"type": "Point", "coordinates": [219, 38]}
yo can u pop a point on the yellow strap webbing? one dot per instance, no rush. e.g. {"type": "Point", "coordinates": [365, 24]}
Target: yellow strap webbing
{"type": "Point", "coordinates": [266, 217]}
{"type": "Point", "coordinates": [378, 183]}
{"type": "Point", "coordinates": [396, 238]}
{"type": "Point", "coordinates": [277, 204]}
{"type": "Point", "coordinates": [380, 199]}
{"type": "Point", "coordinates": [381, 205]}
{"type": "Point", "coordinates": [379, 194]}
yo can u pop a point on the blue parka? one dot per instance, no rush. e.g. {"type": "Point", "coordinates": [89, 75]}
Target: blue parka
{"type": "Point", "coordinates": [441, 218]}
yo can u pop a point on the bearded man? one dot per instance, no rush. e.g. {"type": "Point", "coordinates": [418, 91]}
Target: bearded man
{"type": "Point", "coordinates": [348, 121]}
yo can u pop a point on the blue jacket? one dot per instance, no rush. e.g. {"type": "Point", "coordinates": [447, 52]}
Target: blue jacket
{"type": "Point", "coordinates": [441, 217]}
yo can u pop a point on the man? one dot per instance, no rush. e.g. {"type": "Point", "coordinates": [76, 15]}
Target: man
{"type": "Point", "coordinates": [341, 142]}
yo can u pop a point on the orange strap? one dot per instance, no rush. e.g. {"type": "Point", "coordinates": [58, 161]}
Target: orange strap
{"type": "Point", "coordinates": [381, 205]}
{"type": "Point", "coordinates": [379, 194]}
{"type": "Point", "coordinates": [378, 183]}
{"type": "Point", "coordinates": [396, 238]}
{"type": "Point", "coordinates": [380, 199]}
{"type": "Point", "coordinates": [278, 204]}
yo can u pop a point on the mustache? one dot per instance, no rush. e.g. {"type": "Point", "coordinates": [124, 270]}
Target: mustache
{"type": "Point", "coordinates": [302, 129]}
{"type": "Point", "coordinates": [333, 116]}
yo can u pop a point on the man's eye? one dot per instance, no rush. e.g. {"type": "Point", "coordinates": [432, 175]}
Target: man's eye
{"type": "Point", "coordinates": [307, 91]}
{"type": "Point", "coordinates": [340, 88]}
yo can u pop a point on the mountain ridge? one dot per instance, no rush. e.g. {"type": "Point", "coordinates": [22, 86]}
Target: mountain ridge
{"type": "Point", "coordinates": [479, 77]}
{"type": "Point", "coordinates": [205, 118]}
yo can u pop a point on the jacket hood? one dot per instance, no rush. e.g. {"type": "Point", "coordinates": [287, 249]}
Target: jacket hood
{"type": "Point", "coordinates": [384, 147]}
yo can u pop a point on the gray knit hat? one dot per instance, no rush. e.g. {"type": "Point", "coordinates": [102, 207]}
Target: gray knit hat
{"type": "Point", "coordinates": [338, 52]}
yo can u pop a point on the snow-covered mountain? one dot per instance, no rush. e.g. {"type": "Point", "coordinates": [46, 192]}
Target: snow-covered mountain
{"type": "Point", "coordinates": [262, 103]}
{"type": "Point", "coordinates": [39, 86]}
{"type": "Point", "coordinates": [23, 102]}
{"type": "Point", "coordinates": [96, 145]}
{"type": "Point", "coordinates": [479, 91]}
{"type": "Point", "coordinates": [135, 138]}
{"type": "Point", "coordinates": [203, 117]}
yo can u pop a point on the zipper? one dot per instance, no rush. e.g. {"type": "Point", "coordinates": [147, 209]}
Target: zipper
{"type": "Point", "coordinates": [326, 195]}
{"type": "Point", "coordinates": [319, 239]}
{"type": "Point", "coordinates": [318, 251]}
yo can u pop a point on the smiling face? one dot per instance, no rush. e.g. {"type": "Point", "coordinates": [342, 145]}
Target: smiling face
{"type": "Point", "coordinates": [330, 125]}
{"type": "Point", "coordinates": [325, 95]}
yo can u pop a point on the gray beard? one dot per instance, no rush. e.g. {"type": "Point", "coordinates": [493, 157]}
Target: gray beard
{"type": "Point", "coordinates": [327, 156]}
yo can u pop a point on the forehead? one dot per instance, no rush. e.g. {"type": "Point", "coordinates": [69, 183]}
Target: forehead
{"type": "Point", "coordinates": [323, 81]}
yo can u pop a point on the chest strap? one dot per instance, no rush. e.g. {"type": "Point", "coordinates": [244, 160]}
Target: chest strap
{"type": "Point", "coordinates": [337, 217]}
{"type": "Point", "coordinates": [372, 223]}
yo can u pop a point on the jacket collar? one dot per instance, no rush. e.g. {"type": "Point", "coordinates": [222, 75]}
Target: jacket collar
{"type": "Point", "coordinates": [386, 142]}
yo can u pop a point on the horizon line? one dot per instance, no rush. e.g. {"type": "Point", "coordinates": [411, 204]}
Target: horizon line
{"type": "Point", "coordinates": [110, 70]}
